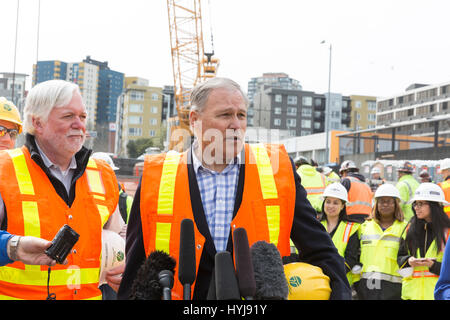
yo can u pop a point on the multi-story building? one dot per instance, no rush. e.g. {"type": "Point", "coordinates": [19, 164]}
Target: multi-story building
{"type": "Point", "coordinates": [142, 108]}
{"type": "Point", "coordinates": [8, 80]}
{"type": "Point", "coordinates": [418, 102]}
{"type": "Point", "coordinates": [300, 112]}
{"type": "Point", "coordinates": [364, 112]}
{"type": "Point", "coordinates": [49, 70]}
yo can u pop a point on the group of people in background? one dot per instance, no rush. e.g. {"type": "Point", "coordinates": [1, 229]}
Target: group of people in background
{"type": "Point", "coordinates": [392, 237]}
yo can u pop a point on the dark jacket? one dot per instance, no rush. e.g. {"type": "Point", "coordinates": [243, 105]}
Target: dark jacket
{"type": "Point", "coordinates": [309, 236]}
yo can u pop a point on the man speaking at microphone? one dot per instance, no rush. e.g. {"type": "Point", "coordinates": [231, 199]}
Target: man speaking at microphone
{"type": "Point", "coordinates": [222, 184]}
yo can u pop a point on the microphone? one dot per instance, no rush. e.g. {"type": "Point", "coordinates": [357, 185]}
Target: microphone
{"type": "Point", "coordinates": [146, 285]}
{"type": "Point", "coordinates": [186, 262]}
{"type": "Point", "coordinates": [212, 287]}
{"type": "Point", "coordinates": [226, 283]}
{"type": "Point", "coordinates": [268, 267]}
{"type": "Point", "coordinates": [166, 282]}
{"type": "Point", "coordinates": [244, 264]}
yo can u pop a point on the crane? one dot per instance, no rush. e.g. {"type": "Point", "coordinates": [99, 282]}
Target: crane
{"type": "Point", "coordinates": [191, 65]}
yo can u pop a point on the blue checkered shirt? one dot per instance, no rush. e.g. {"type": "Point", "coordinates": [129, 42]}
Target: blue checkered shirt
{"type": "Point", "coordinates": [218, 192]}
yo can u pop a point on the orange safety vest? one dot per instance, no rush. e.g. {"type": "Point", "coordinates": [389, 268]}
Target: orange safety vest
{"type": "Point", "coordinates": [35, 209]}
{"type": "Point", "coordinates": [445, 185]}
{"type": "Point", "coordinates": [266, 211]}
{"type": "Point", "coordinates": [359, 197]}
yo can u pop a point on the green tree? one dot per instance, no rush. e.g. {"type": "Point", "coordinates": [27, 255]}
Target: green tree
{"type": "Point", "coordinates": [137, 147]}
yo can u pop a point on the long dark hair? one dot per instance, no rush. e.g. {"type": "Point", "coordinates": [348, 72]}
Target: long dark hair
{"type": "Point", "coordinates": [416, 231]}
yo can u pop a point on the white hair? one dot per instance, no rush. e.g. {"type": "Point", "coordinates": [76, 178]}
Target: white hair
{"type": "Point", "coordinates": [45, 96]}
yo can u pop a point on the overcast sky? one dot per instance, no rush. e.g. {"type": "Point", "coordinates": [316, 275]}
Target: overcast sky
{"type": "Point", "coordinates": [378, 47]}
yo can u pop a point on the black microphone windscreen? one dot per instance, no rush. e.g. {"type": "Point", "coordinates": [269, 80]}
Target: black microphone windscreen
{"type": "Point", "coordinates": [244, 264]}
{"type": "Point", "coordinates": [268, 268]}
{"type": "Point", "coordinates": [146, 285]}
{"type": "Point", "coordinates": [226, 283]}
{"type": "Point", "coordinates": [212, 287]}
{"type": "Point", "coordinates": [186, 262]}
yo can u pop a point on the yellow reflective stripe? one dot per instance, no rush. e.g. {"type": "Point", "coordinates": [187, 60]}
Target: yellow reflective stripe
{"type": "Point", "coordinates": [104, 213]}
{"type": "Point", "coordinates": [32, 226]}
{"type": "Point", "coordinates": [167, 184]}
{"type": "Point", "coordinates": [95, 298]}
{"type": "Point", "coordinates": [273, 219]}
{"type": "Point", "coordinates": [92, 164]}
{"type": "Point", "coordinates": [69, 277]}
{"type": "Point", "coordinates": [447, 209]}
{"type": "Point", "coordinates": [98, 197]}
{"type": "Point", "coordinates": [268, 187]}
{"type": "Point", "coordinates": [21, 170]}
{"type": "Point", "coordinates": [162, 239]}
{"type": "Point", "coordinates": [95, 181]}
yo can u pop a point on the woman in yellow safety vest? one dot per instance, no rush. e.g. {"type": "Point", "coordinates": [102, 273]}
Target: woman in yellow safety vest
{"type": "Point", "coordinates": [342, 231]}
{"type": "Point", "coordinates": [379, 239]}
{"type": "Point", "coordinates": [422, 250]}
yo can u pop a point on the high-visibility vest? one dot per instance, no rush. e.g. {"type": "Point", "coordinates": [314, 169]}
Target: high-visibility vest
{"type": "Point", "coordinates": [359, 197]}
{"type": "Point", "coordinates": [379, 250]}
{"type": "Point", "coordinates": [407, 185]}
{"type": "Point", "coordinates": [266, 211]}
{"type": "Point", "coordinates": [340, 239]}
{"type": "Point", "coordinates": [35, 209]}
{"type": "Point", "coordinates": [445, 185]}
{"type": "Point", "coordinates": [314, 185]}
{"type": "Point", "coordinates": [420, 285]}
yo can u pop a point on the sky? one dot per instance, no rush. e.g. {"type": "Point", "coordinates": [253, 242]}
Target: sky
{"type": "Point", "coordinates": [378, 48]}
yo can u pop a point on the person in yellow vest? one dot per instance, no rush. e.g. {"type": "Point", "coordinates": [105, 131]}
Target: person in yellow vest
{"type": "Point", "coordinates": [221, 183]}
{"type": "Point", "coordinates": [50, 182]}
{"type": "Point", "coordinates": [406, 185]}
{"type": "Point", "coordinates": [313, 181]}
{"type": "Point", "coordinates": [331, 176]}
{"type": "Point", "coordinates": [360, 196]}
{"type": "Point", "coordinates": [379, 239]}
{"type": "Point", "coordinates": [421, 252]}
{"type": "Point", "coordinates": [445, 185]}
{"type": "Point", "coordinates": [342, 231]}
{"type": "Point", "coordinates": [10, 124]}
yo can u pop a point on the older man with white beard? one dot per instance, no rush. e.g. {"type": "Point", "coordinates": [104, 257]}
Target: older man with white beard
{"type": "Point", "coordinates": [51, 182]}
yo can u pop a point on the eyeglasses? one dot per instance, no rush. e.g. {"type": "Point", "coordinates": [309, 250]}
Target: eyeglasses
{"type": "Point", "coordinates": [419, 204]}
{"type": "Point", "coordinates": [12, 132]}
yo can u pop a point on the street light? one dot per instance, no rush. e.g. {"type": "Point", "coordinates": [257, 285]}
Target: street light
{"type": "Point", "coordinates": [327, 110]}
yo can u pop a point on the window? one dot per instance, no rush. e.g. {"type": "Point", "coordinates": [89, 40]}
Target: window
{"type": "Point", "coordinates": [372, 117]}
{"type": "Point", "coordinates": [278, 98]}
{"type": "Point", "coordinates": [358, 104]}
{"type": "Point", "coordinates": [305, 132]}
{"type": "Point", "coordinates": [316, 125]}
{"type": "Point", "coordinates": [277, 110]}
{"type": "Point", "coordinates": [317, 102]}
{"type": "Point", "coordinates": [291, 122]}
{"type": "Point", "coordinates": [276, 122]}
{"type": "Point", "coordinates": [154, 109]}
{"type": "Point", "coordinates": [292, 100]}
{"type": "Point", "coordinates": [372, 105]}
{"type": "Point", "coordinates": [136, 95]}
{"type": "Point", "coordinates": [306, 123]}
{"type": "Point", "coordinates": [307, 101]}
{"type": "Point", "coordinates": [307, 112]}
{"type": "Point", "coordinates": [134, 120]}
{"type": "Point", "coordinates": [138, 108]}
{"type": "Point", "coordinates": [155, 96]}
{"type": "Point", "coordinates": [344, 103]}
{"type": "Point", "coordinates": [134, 132]}
{"type": "Point", "coordinates": [153, 121]}
{"type": "Point", "coordinates": [291, 111]}
{"type": "Point", "coordinates": [152, 133]}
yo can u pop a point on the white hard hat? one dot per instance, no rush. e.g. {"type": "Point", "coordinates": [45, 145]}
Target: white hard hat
{"type": "Point", "coordinates": [445, 164]}
{"type": "Point", "coordinates": [428, 191]}
{"type": "Point", "coordinates": [327, 170]}
{"type": "Point", "coordinates": [113, 252]}
{"type": "Point", "coordinates": [387, 190]}
{"type": "Point", "coordinates": [336, 190]}
{"type": "Point", "coordinates": [347, 164]}
{"type": "Point", "coordinates": [105, 157]}
{"type": "Point", "coordinates": [375, 170]}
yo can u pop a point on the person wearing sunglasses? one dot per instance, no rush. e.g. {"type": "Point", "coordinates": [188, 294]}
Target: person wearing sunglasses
{"type": "Point", "coordinates": [10, 124]}
{"type": "Point", "coordinates": [422, 250]}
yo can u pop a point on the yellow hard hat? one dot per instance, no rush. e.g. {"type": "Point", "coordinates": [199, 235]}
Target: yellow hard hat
{"type": "Point", "coordinates": [9, 112]}
{"type": "Point", "coordinates": [306, 282]}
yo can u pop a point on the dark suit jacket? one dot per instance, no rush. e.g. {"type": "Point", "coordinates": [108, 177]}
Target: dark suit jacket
{"type": "Point", "coordinates": [313, 242]}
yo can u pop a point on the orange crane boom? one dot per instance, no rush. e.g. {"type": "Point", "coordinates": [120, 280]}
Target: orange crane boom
{"type": "Point", "coordinates": [190, 64]}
